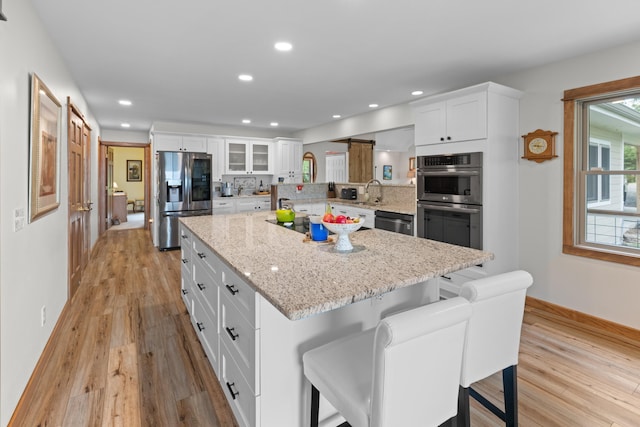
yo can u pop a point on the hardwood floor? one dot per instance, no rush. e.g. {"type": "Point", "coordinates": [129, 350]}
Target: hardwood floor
{"type": "Point", "coordinates": [125, 354]}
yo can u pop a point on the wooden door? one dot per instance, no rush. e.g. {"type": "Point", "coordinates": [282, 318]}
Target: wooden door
{"type": "Point", "coordinates": [360, 161]}
{"type": "Point", "coordinates": [108, 189]}
{"type": "Point", "coordinates": [78, 146]}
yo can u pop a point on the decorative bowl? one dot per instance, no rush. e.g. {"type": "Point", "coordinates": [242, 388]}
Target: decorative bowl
{"type": "Point", "coordinates": [285, 215]}
{"type": "Point", "coordinates": [343, 244]}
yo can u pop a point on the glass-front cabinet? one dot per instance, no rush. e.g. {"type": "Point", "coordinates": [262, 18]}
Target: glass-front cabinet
{"type": "Point", "coordinates": [249, 156]}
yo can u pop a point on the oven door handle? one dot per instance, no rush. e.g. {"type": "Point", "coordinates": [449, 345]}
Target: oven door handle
{"type": "Point", "coordinates": [447, 173]}
{"type": "Point", "coordinates": [447, 208]}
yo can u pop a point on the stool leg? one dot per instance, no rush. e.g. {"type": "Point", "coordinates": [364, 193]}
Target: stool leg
{"type": "Point", "coordinates": [463, 419]}
{"type": "Point", "coordinates": [510, 384]}
{"type": "Point", "coordinates": [315, 403]}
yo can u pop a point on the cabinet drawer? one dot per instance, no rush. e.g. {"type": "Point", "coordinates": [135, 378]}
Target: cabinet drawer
{"type": "Point", "coordinates": [242, 400]}
{"type": "Point", "coordinates": [206, 327]}
{"type": "Point", "coordinates": [241, 296]}
{"type": "Point", "coordinates": [243, 342]}
{"type": "Point", "coordinates": [202, 254]}
{"type": "Point", "coordinates": [205, 287]}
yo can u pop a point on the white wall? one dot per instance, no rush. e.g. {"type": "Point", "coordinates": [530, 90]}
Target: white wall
{"type": "Point", "coordinates": [33, 261]}
{"type": "Point", "coordinates": [603, 289]}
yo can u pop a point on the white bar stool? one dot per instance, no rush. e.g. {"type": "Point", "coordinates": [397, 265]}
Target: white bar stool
{"type": "Point", "coordinates": [493, 341]}
{"type": "Point", "coordinates": [405, 372]}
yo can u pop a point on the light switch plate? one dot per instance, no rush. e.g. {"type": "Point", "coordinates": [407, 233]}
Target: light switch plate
{"type": "Point", "coordinates": [18, 219]}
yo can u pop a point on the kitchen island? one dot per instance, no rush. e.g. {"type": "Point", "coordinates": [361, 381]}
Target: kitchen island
{"type": "Point", "coordinates": [260, 295]}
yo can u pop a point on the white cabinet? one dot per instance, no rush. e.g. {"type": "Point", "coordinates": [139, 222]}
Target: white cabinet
{"type": "Point", "coordinates": [494, 109]}
{"type": "Point", "coordinates": [366, 215]}
{"type": "Point", "coordinates": [461, 118]}
{"type": "Point", "coordinates": [215, 147]}
{"type": "Point", "coordinates": [223, 206]}
{"type": "Point", "coordinates": [310, 208]}
{"type": "Point", "coordinates": [289, 159]}
{"type": "Point", "coordinates": [253, 204]}
{"type": "Point", "coordinates": [176, 142]}
{"type": "Point", "coordinates": [248, 156]}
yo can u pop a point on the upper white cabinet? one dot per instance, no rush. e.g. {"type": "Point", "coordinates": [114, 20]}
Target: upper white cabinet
{"type": "Point", "coordinates": [244, 156]}
{"type": "Point", "coordinates": [176, 142]}
{"type": "Point", "coordinates": [289, 163]}
{"type": "Point", "coordinates": [215, 147]}
{"type": "Point", "coordinates": [460, 118]}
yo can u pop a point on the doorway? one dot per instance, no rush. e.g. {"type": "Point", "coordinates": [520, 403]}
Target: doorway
{"type": "Point", "coordinates": [124, 185]}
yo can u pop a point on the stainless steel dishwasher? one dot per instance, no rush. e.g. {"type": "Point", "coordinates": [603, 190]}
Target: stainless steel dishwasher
{"type": "Point", "coordinates": [396, 222]}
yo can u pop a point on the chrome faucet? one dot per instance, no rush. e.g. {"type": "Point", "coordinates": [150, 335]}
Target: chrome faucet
{"type": "Point", "coordinates": [239, 189]}
{"type": "Point", "coordinates": [366, 190]}
{"type": "Point", "coordinates": [371, 181]}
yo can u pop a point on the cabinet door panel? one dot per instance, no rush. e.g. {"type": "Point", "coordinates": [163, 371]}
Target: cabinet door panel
{"type": "Point", "coordinates": [467, 117]}
{"type": "Point", "coordinates": [431, 124]}
{"type": "Point", "coordinates": [238, 393]}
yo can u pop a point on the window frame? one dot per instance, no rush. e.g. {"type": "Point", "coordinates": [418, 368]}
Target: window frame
{"type": "Point", "coordinates": [571, 188]}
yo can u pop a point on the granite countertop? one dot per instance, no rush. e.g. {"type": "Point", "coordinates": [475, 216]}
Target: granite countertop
{"type": "Point", "coordinates": [305, 278]}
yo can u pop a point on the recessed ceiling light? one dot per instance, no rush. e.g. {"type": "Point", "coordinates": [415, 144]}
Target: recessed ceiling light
{"type": "Point", "coordinates": [124, 102]}
{"type": "Point", "coordinates": [373, 105]}
{"type": "Point", "coordinates": [246, 121]}
{"type": "Point", "coordinates": [245, 77]}
{"type": "Point", "coordinates": [125, 125]}
{"type": "Point", "coordinates": [274, 124]}
{"type": "Point", "coordinates": [283, 46]}
{"type": "Point", "coordinates": [336, 116]}
{"type": "Point", "coordinates": [417, 92]}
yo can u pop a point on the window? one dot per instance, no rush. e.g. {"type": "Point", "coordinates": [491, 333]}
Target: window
{"type": "Point", "coordinates": [601, 162]}
{"type": "Point", "coordinates": [309, 168]}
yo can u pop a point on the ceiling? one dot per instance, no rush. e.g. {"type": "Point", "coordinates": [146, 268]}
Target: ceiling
{"type": "Point", "coordinates": [179, 60]}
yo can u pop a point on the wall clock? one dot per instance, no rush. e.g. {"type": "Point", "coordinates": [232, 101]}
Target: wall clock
{"type": "Point", "coordinates": [540, 145]}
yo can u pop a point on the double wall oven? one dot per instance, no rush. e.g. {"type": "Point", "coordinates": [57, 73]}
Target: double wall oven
{"type": "Point", "coordinates": [449, 189]}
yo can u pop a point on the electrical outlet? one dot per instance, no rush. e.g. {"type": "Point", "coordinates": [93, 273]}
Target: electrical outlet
{"type": "Point", "coordinates": [360, 189]}
{"type": "Point", "coordinates": [43, 315]}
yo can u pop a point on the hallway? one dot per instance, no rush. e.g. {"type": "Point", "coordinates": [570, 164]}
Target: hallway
{"type": "Point", "coordinates": [124, 352]}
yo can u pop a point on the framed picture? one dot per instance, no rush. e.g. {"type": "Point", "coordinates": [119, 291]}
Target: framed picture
{"type": "Point", "coordinates": [412, 163]}
{"type": "Point", "coordinates": [386, 172]}
{"type": "Point", "coordinates": [44, 150]}
{"type": "Point", "coordinates": [134, 170]}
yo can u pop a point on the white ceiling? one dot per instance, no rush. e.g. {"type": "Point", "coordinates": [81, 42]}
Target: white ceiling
{"type": "Point", "coordinates": [179, 60]}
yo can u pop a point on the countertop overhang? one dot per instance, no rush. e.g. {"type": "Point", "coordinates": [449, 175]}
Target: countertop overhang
{"type": "Point", "coordinates": [302, 278]}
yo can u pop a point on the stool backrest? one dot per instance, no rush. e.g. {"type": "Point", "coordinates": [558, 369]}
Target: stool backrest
{"type": "Point", "coordinates": [417, 359]}
{"type": "Point", "coordinates": [493, 335]}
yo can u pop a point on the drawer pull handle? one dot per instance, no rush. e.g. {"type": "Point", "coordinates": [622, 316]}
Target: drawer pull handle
{"type": "Point", "coordinates": [184, 261]}
{"type": "Point", "coordinates": [184, 236]}
{"type": "Point", "coordinates": [446, 277]}
{"type": "Point", "coordinates": [233, 393]}
{"type": "Point", "coordinates": [231, 334]}
{"type": "Point", "coordinates": [232, 289]}
{"type": "Point", "coordinates": [184, 291]}
{"type": "Point", "coordinates": [200, 326]}
{"type": "Point", "coordinates": [201, 286]}
{"type": "Point", "coordinates": [201, 255]}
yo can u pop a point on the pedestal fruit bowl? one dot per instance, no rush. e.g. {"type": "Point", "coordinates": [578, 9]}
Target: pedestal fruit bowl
{"type": "Point", "coordinates": [343, 244]}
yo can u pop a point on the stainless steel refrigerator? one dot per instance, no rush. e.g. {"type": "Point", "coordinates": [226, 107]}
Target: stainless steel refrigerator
{"type": "Point", "coordinates": [184, 189]}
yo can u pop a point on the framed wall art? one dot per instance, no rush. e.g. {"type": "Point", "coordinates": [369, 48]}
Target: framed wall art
{"type": "Point", "coordinates": [44, 150]}
{"type": "Point", "coordinates": [386, 172]}
{"type": "Point", "coordinates": [134, 170]}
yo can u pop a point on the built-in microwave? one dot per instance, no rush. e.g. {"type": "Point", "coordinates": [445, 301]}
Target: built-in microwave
{"type": "Point", "coordinates": [451, 178]}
